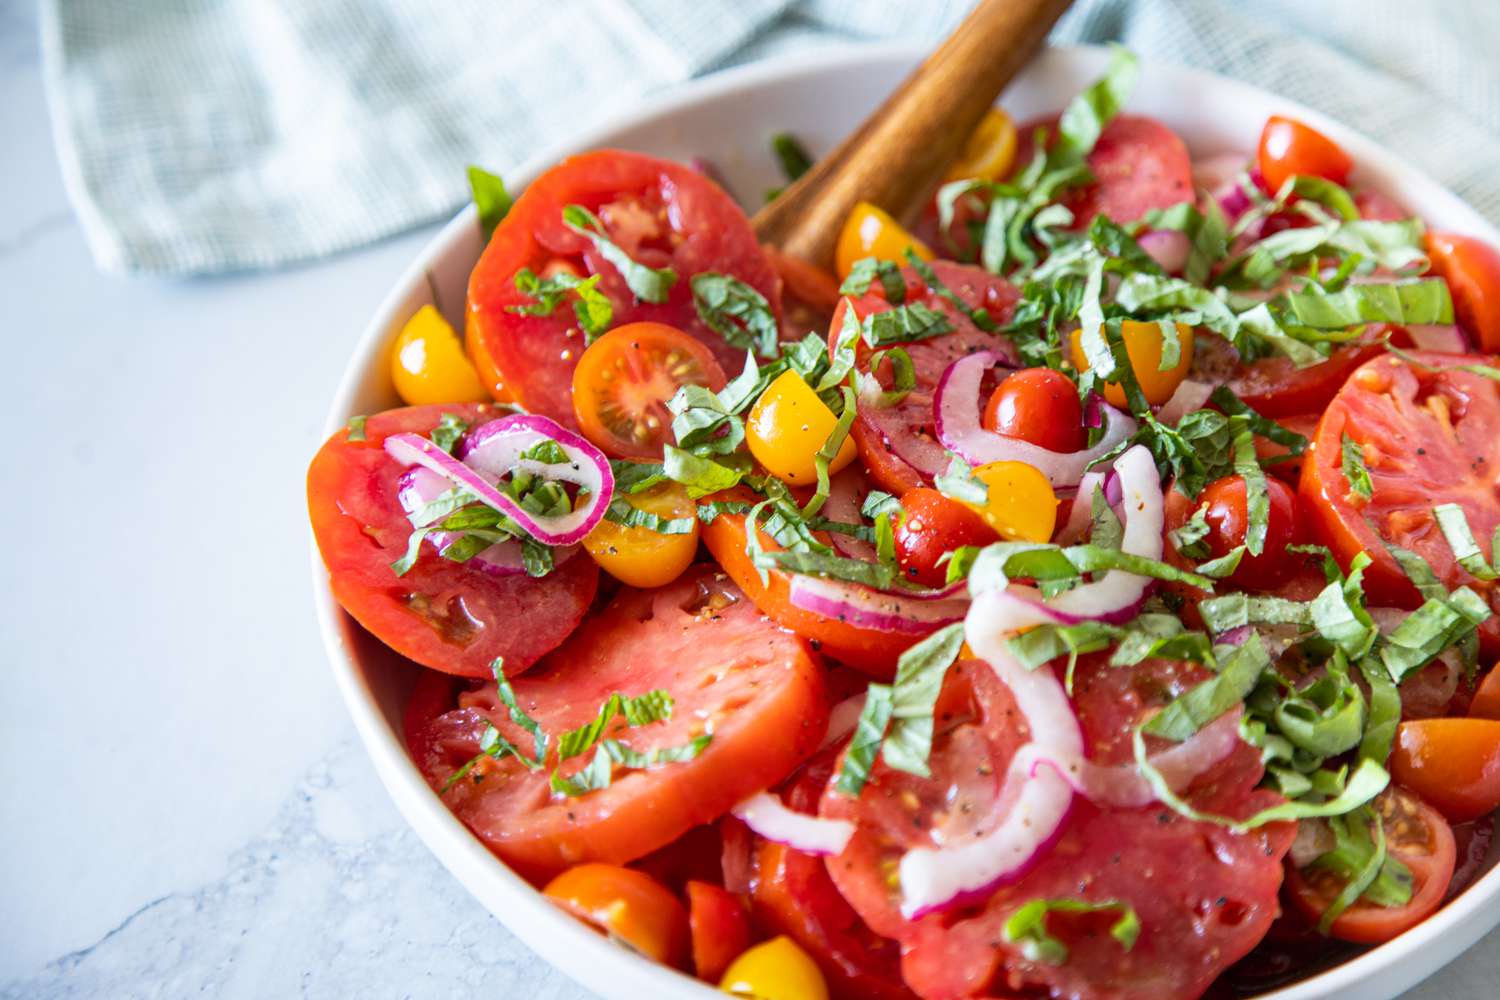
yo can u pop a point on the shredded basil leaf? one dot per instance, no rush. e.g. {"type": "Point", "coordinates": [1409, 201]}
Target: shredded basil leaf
{"type": "Point", "coordinates": [867, 270]}
{"type": "Point", "coordinates": [591, 307]}
{"type": "Point", "coordinates": [356, 428]}
{"type": "Point", "coordinates": [919, 676]}
{"type": "Point", "coordinates": [490, 198]}
{"type": "Point", "coordinates": [1086, 115]}
{"type": "Point", "coordinates": [736, 311]}
{"type": "Point", "coordinates": [448, 430]}
{"type": "Point", "coordinates": [794, 159]}
{"type": "Point", "coordinates": [869, 733]}
{"type": "Point", "coordinates": [903, 324]}
{"type": "Point", "coordinates": [1454, 523]}
{"type": "Point", "coordinates": [1197, 707]}
{"type": "Point", "coordinates": [1027, 926]}
{"type": "Point", "coordinates": [649, 284]}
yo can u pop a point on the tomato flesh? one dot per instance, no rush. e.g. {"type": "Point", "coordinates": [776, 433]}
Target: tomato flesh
{"type": "Point", "coordinates": [450, 616]}
{"type": "Point", "coordinates": [1289, 148]}
{"type": "Point", "coordinates": [935, 525]}
{"type": "Point", "coordinates": [720, 928]}
{"type": "Point", "coordinates": [727, 668]}
{"type": "Point", "coordinates": [1416, 836]}
{"type": "Point", "coordinates": [1452, 763]}
{"type": "Point", "coordinates": [1039, 405]}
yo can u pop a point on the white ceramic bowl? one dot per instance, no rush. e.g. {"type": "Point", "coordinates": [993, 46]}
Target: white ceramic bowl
{"type": "Point", "coordinates": [728, 118]}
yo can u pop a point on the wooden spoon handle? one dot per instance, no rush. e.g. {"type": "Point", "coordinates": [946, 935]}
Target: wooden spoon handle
{"type": "Point", "coordinates": [900, 152]}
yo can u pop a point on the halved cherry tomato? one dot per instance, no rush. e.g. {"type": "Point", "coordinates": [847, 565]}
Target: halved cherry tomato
{"type": "Point", "coordinates": [628, 905]}
{"type": "Point", "coordinates": [1228, 520]}
{"type": "Point", "coordinates": [1452, 763]}
{"type": "Point", "coordinates": [869, 231]}
{"type": "Point", "coordinates": [642, 556]}
{"type": "Point", "coordinates": [1416, 836]}
{"type": "Point", "coordinates": [1019, 502]}
{"type": "Point", "coordinates": [1143, 343]}
{"type": "Point", "coordinates": [1472, 269]}
{"type": "Point", "coordinates": [989, 151]}
{"type": "Point", "coordinates": [933, 525]}
{"type": "Point", "coordinates": [1288, 148]}
{"type": "Point", "coordinates": [1430, 434]}
{"type": "Point", "coordinates": [623, 381]}
{"type": "Point", "coordinates": [1039, 405]}
{"type": "Point", "coordinates": [775, 970]}
{"type": "Point", "coordinates": [871, 651]}
{"type": "Point", "coordinates": [788, 426]}
{"type": "Point", "coordinates": [1486, 703]}
{"type": "Point", "coordinates": [720, 928]}
{"type": "Point", "coordinates": [428, 364]}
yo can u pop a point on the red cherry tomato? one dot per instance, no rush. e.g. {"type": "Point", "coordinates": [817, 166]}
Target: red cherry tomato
{"type": "Point", "coordinates": [1416, 836]}
{"type": "Point", "coordinates": [720, 928]}
{"type": "Point", "coordinates": [1228, 519]}
{"type": "Point", "coordinates": [1472, 269]}
{"type": "Point", "coordinates": [1452, 763]}
{"type": "Point", "coordinates": [1289, 148]}
{"type": "Point", "coordinates": [1486, 703]}
{"type": "Point", "coordinates": [934, 525]}
{"type": "Point", "coordinates": [1039, 405]}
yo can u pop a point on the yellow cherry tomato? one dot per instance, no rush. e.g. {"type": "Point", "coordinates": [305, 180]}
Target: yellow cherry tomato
{"type": "Point", "coordinates": [1143, 345]}
{"type": "Point", "coordinates": [428, 363]}
{"type": "Point", "coordinates": [990, 150]}
{"type": "Point", "coordinates": [787, 428]}
{"type": "Point", "coordinates": [628, 905]}
{"type": "Point", "coordinates": [1020, 506]}
{"type": "Point", "coordinates": [775, 970]}
{"type": "Point", "coordinates": [640, 556]}
{"type": "Point", "coordinates": [871, 232]}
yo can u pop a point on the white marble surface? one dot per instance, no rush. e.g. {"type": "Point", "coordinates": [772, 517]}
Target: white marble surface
{"type": "Point", "coordinates": [187, 811]}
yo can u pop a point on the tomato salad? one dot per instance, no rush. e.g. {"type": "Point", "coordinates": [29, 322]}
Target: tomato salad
{"type": "Point", "coordinates": [1086, 592]}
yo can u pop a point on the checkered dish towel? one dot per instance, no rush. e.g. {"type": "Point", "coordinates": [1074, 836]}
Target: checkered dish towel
{"type": "Point", "coordinates": [204, 136]}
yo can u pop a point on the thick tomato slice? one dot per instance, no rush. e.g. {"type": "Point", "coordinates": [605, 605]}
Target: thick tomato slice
{"type": "Point", "coordinates": [913, 418]}
{"type": "Point", "coordinates": [867, 649]}
{"type": "Point", "coordinates": [443, 614]}
{"type": "Point", "coordinates": [1204, 896]}
{"type": "Point", "coordinates": [624, 379]}
{"type": "Point", "coordinates": [1452, 763]}
{"type": "Point", "coordinates": [1139, 164]}
{"type": "Point", "coordinates": [795, 896]}
{"type": "Point", "coordinates": [662, 214]}
{"type": "Point", "coordinates": [729, 670]}
{"type": "Point", "coordinates": [1430, 435]}
{"type": "Point", "coordinates": [1276, 387]}
{"type": "Point", "coordinates": [1419, 838]}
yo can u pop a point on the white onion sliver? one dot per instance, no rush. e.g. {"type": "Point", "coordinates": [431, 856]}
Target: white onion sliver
{"type": "Point", "coordinates": [768, 816]}
{"type": "Point", "coordinates": [1080, 516]}
{"type": "Point", "coordinates": [957, 407]}
{"type": "Point", "coordinates": [1189, 396]}
{"type": "Point", "coordinates": [842, 720]}
{"type": "Point", "coordinates": [1168, 247]}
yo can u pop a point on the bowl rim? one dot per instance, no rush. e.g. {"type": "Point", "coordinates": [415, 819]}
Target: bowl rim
{"type": "Point", "coordinates": [580, 953]}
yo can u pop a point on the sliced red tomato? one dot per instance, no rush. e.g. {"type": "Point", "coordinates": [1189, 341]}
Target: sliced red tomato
{"type": "Point", "coordinates": [1472, 269]}
{"type": "Point", "coordinates": [871, 651]}
{"type": "Point", "coordinates": [1430, 435]}
{"type": "Point", "coordinates": [1288, 148]}
{"type": "Point", "coordinates": [1276, 387]}
{"type": "Point", "coordinates": [445, 615]}
{"type": "Point", "coordinates": [624, 379]}
{"type": "Point", "coordinates": [731, 673]}
{"type": "Point", "coordinates": [1417, 837]}
{"type": "Point", "coordinates": [661, 214]}
{"type": "Point", "coordinates": [978, 289]}
{"type": "Point", "coordinates": [794, 896]}
{"type": "Point", "coordinates": [808, 293]}
{"type": "Point", "coordinates": [1288, 469]}
{"type": "Point", "coordinates": [1486, 701]}
{"type": "Point", "coordinates": [720, 927]}
{"type": "Point", "coordinates": [1204, 896]}
{"type": "Point", "coordinates": [1139, 164]}
{"type": "Point", "coordinates": [1452, 763]}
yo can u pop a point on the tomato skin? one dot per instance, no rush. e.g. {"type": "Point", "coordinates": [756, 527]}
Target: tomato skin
{"type": "Point", "coordinates": [1416, 835]}
{"type": "Point", "coordinates": [725, 665]}
{"type": "Point", "coordinates": [1143, 344]}
{"type": "Point", "coordinates": [870, 231]}
{"type": "Point", "coordinates": [720, 928]}
{"type": "Point", "coordinates": [442, 614]}
{"type": "Point", "coordinates": [1228, 519]}
{"type": "Point", "coordinates": [777, 969]}
{"type": "Point", "coordinates": [1387, 406]}
{"type": "Point", "coordinates": [629, 905]}
{"type": "Point", "coordinates": [1289, 148]}
{"type": "Point", "coordinates": [787, 427]}
{"type": "Point", "coordinates": [872, 652]}
{"type": "Point", "coordinates": [1472, 269]}
{"type": "Point", "coordinates": [428, 364]}
{"type": "Point", "coordinates": [659, 212]}
{"type": "Point", "coordinates": [1039, 405]}
{"type": "Point", "coordinates": [1452, 763]}
{"type": "Point", "coordinates": [640, 556]}
{"type": "Point", "coordinates": [989, 151]}
{"type": "Point", "coordinates": [933, 525]}
{"type": "Point", "coordinates": [624, 379]}
{"type": "Point", "coordinates": [1486, 701]}
{"type": "Point", "coordinates": [1275, 387]}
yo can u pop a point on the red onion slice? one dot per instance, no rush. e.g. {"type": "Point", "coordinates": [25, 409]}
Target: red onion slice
{"type": "Point", "coordinates": [495, 450]}
{"type": "Point", "coordinates": [843, 505]}
{"type": "Point", "coordinates": [893, 423]}
{"type": "Point", "coordinates": [768, 816]}
{"type": "Point", "coordinates": [1446, 338]}
{"type": "Point", "coordinates": [911, 613]}
{"type": "Point", "coordinates": [958, 405]}
{"type": "Point", "coordinates": [419, 486]}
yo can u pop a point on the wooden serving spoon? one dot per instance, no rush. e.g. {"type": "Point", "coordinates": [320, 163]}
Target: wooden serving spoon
{"type": "Point", "coordinates": [896, 157]}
